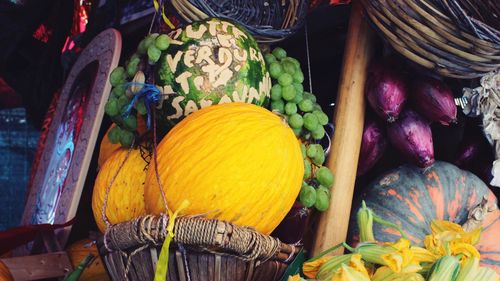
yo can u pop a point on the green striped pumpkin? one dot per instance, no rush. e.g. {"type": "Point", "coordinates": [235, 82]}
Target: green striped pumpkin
{"type": "Point", "coordinates": [412, 197]}
{"type": "Point", "coordinates": [211, 62]}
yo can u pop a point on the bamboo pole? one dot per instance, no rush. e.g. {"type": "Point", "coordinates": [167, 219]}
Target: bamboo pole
{"type": "Point", "coordinates": [349, 121]}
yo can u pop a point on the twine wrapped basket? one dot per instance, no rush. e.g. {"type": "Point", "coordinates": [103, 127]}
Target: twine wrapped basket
{"type": "Point", "coordinates": [268, 21]}
{"type": "Point", "coordinates": [202, 249]}
{"type": "Point", "coordinates": [456, 38]}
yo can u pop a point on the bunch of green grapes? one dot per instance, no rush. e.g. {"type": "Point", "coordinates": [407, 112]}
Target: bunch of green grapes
{"type": "Point", "coordinates": [149, 52]}
{"type": "Point", "coordinates": [307, 120]}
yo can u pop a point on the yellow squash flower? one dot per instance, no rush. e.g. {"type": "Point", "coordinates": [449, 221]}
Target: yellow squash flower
{"type": "Point", "coordinates": [384, 273]}
{"type": "Point", "coordinates": [347, 273]}
{"type": "Point", "coordinates": [296, 277]}
{"type": "Point", "coordinates": [310, 269]}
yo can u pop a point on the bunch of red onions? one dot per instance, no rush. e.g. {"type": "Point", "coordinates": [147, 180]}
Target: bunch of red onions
{"type": "Point", "coordinates": [408, 108]}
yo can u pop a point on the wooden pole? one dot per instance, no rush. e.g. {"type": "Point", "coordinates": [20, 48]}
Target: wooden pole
{"type": "Point", "coordinates": [349, 121]}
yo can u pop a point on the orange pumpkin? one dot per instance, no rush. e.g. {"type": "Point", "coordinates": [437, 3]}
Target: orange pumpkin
{"type": "Point", "coordinates": [126, 195]}
{"type": "Point", "coordinates": [106, 149]}
{"type": "Point", "coordinates": [78, 251]}
{"type": "Point", "coordinates": [236, 161]}
{"type": "Point", "coordinates": [5, 274]}
{"type": "Point", "coordinates": [412, 197]}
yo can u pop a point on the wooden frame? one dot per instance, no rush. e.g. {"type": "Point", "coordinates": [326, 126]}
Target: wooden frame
{"type": "Point", "coordinates": [70, 143]}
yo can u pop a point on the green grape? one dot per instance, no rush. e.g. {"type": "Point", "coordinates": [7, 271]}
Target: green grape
{"type": "Point", "coordinates": [299, 88]}
{"type": "Point", "coordinates": [322, 200]}
{"type": "Point", "coordinates": [288, 92]}
{"type": "Point", "coordinates": [162, 42]}
{"type": "Point", "coordinates": [290, 108]}
{"type": "Point", "coordinates": [295, 121]}
{"type": "Point", "coordinates": [297, 131]}
{"type": "Point", "coordinates": [275, 69]}
{"type": "Point", "coordinates": [317, 107]}
{"type": "Point", "coordinates": [324, 189]}
{"type": "Point", "coordinates": [278, 105]}
{"type": "Point", "coordinates": [319, 133]}
{"type": "Point", "coordinates": [295, 61]}
{"type": "Point", "coordinates": [324, 176]}
{"type": "Point", "coordinates": [141, 48]}
{"type": "Point", "coordinates": [309, 96]}
{"type": "Point", "coordinates": [311, 121]}
{"type": "Point", "coordinates": [303, 150]}
{"type": "Point", "coordinates": [320, 158]}
{"type": "Point", "coordinates": [307, 169]}
{"type": "Point", "coordinates": [322, 117]}
{"type": "Point", "coordinates": [289, 67]}
{"type": "Point", "coordinates": [279, 53]}
{"type": "Point", "coordinates": [133, 66]}
{"type": "Point", "coordinates": [117, 76]}
{"type": "Point", "coordinates": [269, 58]}
{"type": "Point", "coordinates": [130, 122]}
{"type": "Point", "coordinates": [114, 135]}
{"type": "Point", "coordinates": [123, 102]}
{"type": "Point", "coordinates": [119, 90]}
{"type": "Point", "coordinates": [298, 96]}
{"type": "Point", "coordinates": [153, 54]}
{"type": "Point", "coordinates": [285, 79]}
{"type": "Point", "coordinates": [141, 107]}
{"type": "Point", "coordinates": [126, 138]}
{"type": "Point", "coordinates": [307, 196]}
{"type": "Point", "coordinates": [313, 150]}
{"type": "Point", "coordinates": [111, 108]}
{"type": "Point", "coordinates": [306, 105]}
{"type": "Point", "coordinates": [276, 92]}
{"type": "Point", "coordinates": [150, 40]}
{"type": "Point", "coordinates": [298, 77]}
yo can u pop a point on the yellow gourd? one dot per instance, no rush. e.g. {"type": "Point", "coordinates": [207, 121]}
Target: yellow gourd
{"type": "Point", "coordinates": [126, 195]}
{"type": "Point", "coordinates": [78, 251]}
{"type": "Point", "coordinates": [237, 162]}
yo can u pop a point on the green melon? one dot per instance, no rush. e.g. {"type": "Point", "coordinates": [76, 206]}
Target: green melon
{"type": "Point", "coordinates": [211, 62]}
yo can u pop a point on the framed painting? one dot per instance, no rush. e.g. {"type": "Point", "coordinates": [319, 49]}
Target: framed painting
{"type": "Point", "coordinates": [59, 179]}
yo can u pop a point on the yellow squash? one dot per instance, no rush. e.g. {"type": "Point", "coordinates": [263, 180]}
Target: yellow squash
{"type": "Point", "coordinates": [126, 196]}
{"type": "Point", "coordinates": [237, 162]}
{"type": "Point", "coordinates": [106, 148]}
{"type": "Point", "coordinates": [78, 251]}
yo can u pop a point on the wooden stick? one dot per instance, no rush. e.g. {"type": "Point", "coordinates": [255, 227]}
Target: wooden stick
{"type": "Point", "coordinates": [349, 121]}
{"type": "Point", "coordinates": [38, 267]}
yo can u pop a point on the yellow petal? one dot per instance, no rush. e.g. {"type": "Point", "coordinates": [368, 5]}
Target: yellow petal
{"type": "Point", "coordinates": [422, 255]}
{"type": "Point", "coordinates": [310, 269]}
{"type": "Point", "coordinates": [357, 264]}
{"type": "Point", "coordinates": [466, 250]}
{"type": "Point", "coordinates": [473, 236]}
{"type": "Point", "coordinates": [400, 244]}
{"type": "Point", "coordinates": [347, 273]}
{"type": "Point", "coordinates": [296, 277]}
{"type": "Point", "coordinates": [438, 226]}
{"type": "Point", "coordinates": [394, 261]}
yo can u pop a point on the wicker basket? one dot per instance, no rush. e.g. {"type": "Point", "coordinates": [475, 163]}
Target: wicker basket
{"type": "Point", "coordinates": [268, 21]}
{"type": "Point", "coordinates": [202, 249]}
{"type": "Point", "coordinates": [456, 38]}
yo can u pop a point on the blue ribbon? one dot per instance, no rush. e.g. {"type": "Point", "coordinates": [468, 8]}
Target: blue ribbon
{"type": "Point", "coordinates": [151, 95]}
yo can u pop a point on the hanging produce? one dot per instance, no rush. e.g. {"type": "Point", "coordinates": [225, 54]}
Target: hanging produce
{"type": "Point", "coordinates": [373, 145]}
{"type": "Point", "coordinates": [208, 62]}
{"type": "Point", "coordinates": [307, 119]}
{"type": "Point", "coordinates": [122, 176]}
{"type": "Point", "coordinates": [434, 100]}
{"type": "Point", "coordinates": [411, 198]}
{"type": "Point", "coordinates": [411, 135]}
{"type": "Point", "coordinates": [236, 162]}
{"type": "Point", "coordinates": [386, 91]}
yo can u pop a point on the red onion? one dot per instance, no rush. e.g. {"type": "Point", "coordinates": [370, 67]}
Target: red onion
{"type": "Point", "coordinates": [386, 91]}
{"type": "Point", "coordinates": [411, 135]}
{"type": "Point", "coordinates": [434, 100]}
{"type": "Point", "coordinates": [373, 145]}
{"type": "Point", "coordinates": [475, 154]}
